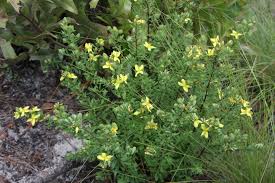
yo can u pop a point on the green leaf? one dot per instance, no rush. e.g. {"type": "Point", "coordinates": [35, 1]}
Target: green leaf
{"type": "Point", "coordinates": [67, 5]}
{"type": "Point", "coordinates": [7, 49]}
{"type": "Point", "coordinates": [3, 19]}
{"type": "Point", "coordinates": [15, 4]}
{"type": "Point", "coordinates": [127, 6]}
{"type": "Point", "coordinates": [93, 3]}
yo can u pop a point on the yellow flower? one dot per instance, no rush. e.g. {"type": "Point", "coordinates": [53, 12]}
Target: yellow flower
{"type": "Point", "coordinates": [190, 52]}
{"type": "Point", "coordinates": [120, 80]}
{"type": "Point", "coordinates": [123, 78]}
{"type": "Point", "coordinates": [130, 108]}
{"type": "Point", "coordinates": [235, 34]}
{"type": "Point", "coordinates": [67, 75]}
{"type": "Point", "coordinates": [247, 111]}
{"type": "Point", "coordinates": [100, 41]}
{"type": "Point", "coordinates": [244, 103]}
{"type": "Point", "coordinates": [211, 52]}
{"type": "Point", "coordinates": [108, 65]}
{"type": "Point", "coordinates": [138, 112]}
{"type": "Point", "coordinates": [34, 109]}
{"type": "Point", "coordinates": [204, 131]}
{"type": "Point", "coordinates": [139, 70]}
{"type": "Point", "coordinates": [221, 125]}
{"type": "Point", "coordinates": [17, 115]}
{"type": "Point", "coordinates": [215, 41]}
{"type": "Point", "coordinates": [220, 93]}
{"type": "Point", "coordinates": [62, 77]}
{"type": "Point", "coordinates": [89, 47]}
{"type": "Point", "coordinates": [33, 119]}
{"type": "Point", "coordinates": [187, 20]}
{"type": "Point", "coordinates": [200, 66]}
{"type": "Point", "coordinates": [146, 103]}
{"type": "Point", "coordinates": [151, 125]}
{"type": "Point", "coordinates": [194, 52]}
{"type": "Point", "coordinates": [76, 129]}
{"type": "Point", "coordinates": [232, 100]}
{"type": "Point", "coordinates": [93, 57]}
{"type": "Point", "coordinates": [150, 151]}
{"type": "Point", "coordinates": [184, 85]}
{"type": "Point", "coordinates": [116, 83]}
{"type": "Point", "coordinates": [137, 20]}
{"type": "Point", "coordinates": [115, 56]}
{"type": "Point", "coordinates": [23, 110]}
{"type": "Point", "coordinates": [198, 53]}
{"type": "Point", "coordinates": [104, 157]}
{"type": "Point", "coordinates": [149, 46]}
{"type": "Point", "coordinates": [71, 75]}
{"type": "Point", "coordinates": [114, 129]}
{"type": "Point", "coordinates": [197, 122]}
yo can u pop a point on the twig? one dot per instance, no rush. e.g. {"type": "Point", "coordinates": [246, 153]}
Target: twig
{"type": "Point", "coordinates": [148, 23]}
{"type": "Point", "coordinates": [207, 87]}
{"type": "Point", "coordinates": [79, 171]}
{"type": "Point", "coordinates": [13, 160]}
{"type": "Point", "coordinates": [136, 43]}
{"type": "Point", "coordinates": [49, 174]}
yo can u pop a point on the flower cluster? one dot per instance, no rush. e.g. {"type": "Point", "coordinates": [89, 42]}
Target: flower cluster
{"type": "Point", "coordinates": [105, 159]}
{"type": "Point", "coordinates": [246, 110]}
{"type": "Point", "coordinates": [151, 125]}
{"type": "Point", "coordinates": [145, 106]}
{"type": "Point", "coordinates": [138, 20]}
{"type": "Point", "coordinates": [33, 114]}
{"type": "Point", "coordinates": [184, 85]}
{"type": "Point", "coordinates": [195, 52]}
{"type": "Point", "coordinates": [207, 124]}
{"type": "Point", "coordinates": [67, 75]}
{"type": "Point", "coordinates": [120, 79]}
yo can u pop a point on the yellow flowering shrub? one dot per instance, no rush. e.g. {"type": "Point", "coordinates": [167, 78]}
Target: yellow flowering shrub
{"type": "Point", "coordinates": [156, 100]}
{"type": "Point", "coordinates": [32, 114]}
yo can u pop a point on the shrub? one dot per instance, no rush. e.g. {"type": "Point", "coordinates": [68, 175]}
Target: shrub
{"type": "Point", "coordinates": [155, 101]}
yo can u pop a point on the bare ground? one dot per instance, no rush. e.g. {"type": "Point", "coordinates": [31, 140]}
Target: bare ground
{"type": "Point", "coordinates": [34, 154]}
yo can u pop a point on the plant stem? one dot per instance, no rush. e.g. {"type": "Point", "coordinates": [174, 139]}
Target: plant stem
{"type": "Point", "coordinates": [207, 87]}
{"type": "Point", "coordinates": [136, 42]}
{"type": "Point", "coordinates": [148, 23]}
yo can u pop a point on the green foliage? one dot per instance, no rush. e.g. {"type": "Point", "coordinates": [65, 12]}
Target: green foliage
{"type": "Point", "coordinates": [156, 101]}
{"type": "Point", "coordinates": [218, 16]}
{"type": "Point", "coordinates": [259, 45]}
{"type": "Point", "coordinates": [255, 164]}
{"type": "Point", "coordinates": [257, 51]}
{"type": "Point", "coordinates": [27, 27]}
{"type": "Point", "coordinates": [209, 16]}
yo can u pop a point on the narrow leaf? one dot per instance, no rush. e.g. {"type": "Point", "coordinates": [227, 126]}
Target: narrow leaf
{"type": "Point", "coordinates": [93, 3]}
{"type": "Point", "coordinates": [67, 5]}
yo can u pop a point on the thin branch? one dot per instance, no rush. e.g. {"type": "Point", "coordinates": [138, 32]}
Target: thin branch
{"type": "Point", "coordinates": [148, 23]}
{"type": "Point", "coordinates": [207, 87]}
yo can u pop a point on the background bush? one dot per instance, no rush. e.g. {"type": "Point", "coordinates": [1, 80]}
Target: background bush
{"type": "Point", "coordinates": [27, 28]}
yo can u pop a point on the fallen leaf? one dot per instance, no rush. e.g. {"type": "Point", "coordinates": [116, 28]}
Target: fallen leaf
{"type": "Point", "coordinates": [48, 106]}
{"type": "Point", "coordinates": [3, 135]}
